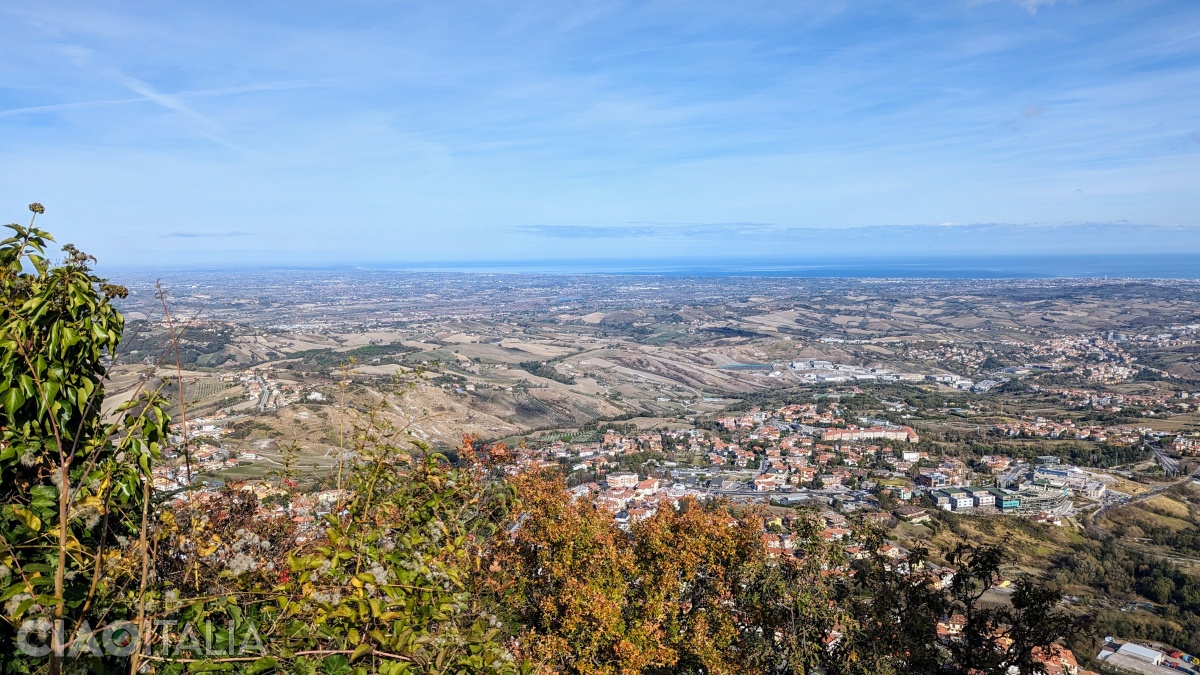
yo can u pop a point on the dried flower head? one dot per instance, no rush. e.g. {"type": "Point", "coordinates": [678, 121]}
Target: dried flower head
{"type": "Point", "coordinates": [37, 208]}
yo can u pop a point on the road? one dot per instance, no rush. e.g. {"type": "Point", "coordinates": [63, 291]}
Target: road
{"type": "Point", "coordinates": [266, 394]}
{"type": "Point", "coordinates": [1147, 494]}
{"type": "Point", "coordinates": [1011, 475]}
{"type": "Point", "coordinates": [1170, 466]}
{"type": "Point", "coordinates": [822, 494]}
{"type": "Point", "coordinates": [1100, 533]}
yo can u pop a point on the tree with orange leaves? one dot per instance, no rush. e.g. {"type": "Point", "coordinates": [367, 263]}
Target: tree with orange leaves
{"type": "Point", "coordinates": [687, 590]}
{"type": "Point", "coordinates": [563, 570]}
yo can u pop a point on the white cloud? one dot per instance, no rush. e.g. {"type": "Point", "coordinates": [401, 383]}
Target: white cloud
{"type": "Point", "coordinates": [1032, 6]}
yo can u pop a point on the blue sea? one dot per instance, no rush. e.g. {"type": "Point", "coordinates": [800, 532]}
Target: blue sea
{"type": "Point", "coordinates": [1133, 266]}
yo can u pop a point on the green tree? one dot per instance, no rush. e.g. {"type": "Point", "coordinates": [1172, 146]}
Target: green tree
{"type": "Point", "coordinates": [897, 611]}
{"type": "Point", "coordinates": [71, 481]}
{"type": "Point", "coordinates": [390, 580]}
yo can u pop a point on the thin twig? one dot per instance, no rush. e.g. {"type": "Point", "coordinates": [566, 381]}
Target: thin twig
{"type": "Point", "coordinates": [144, 548]}
{"type": "Point", "coordinates": [187, 457]}
{"type": "Point", "coordinates": [327, 652]}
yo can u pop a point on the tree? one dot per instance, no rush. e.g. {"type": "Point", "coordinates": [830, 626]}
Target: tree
{"type": "Point", "coordinates": [687, 590]}
{"type": "Point", "coordinates": [71, 482]}
{"type": "Point", "coordinates": [389, 582]}
{"type": "Point", "coordinates": [898, 609]}
{"type": "Point", "coordinates": [562, 570]}
{"type": "Point", "coordinates": [693, 566]}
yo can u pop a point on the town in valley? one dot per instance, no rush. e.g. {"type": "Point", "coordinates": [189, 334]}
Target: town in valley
{"type": "Point", "coordinates": [1039, 413]}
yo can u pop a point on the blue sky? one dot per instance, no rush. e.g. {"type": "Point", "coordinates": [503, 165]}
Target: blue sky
{"type": "Point", "coordinates": [170, 134]}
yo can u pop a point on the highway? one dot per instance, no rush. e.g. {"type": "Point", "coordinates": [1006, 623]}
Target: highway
{"type": "Point", "coordinates": [1149, 493]}
{"type": "Point", "coordinates": [1170, 466]}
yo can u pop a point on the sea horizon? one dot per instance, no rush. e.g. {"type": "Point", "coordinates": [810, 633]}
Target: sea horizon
{"type": "Point", "coordinates": [1177, 266]}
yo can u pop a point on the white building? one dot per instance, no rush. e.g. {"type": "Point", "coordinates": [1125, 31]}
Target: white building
{"type": "Point", "coordinates": [982, 497]}
{"type": "Point", "coordinates": [957, 500]}
{"type": "Point", "coordinates": [622, 480]}
{"type": "Point", "coordinates": [1151, 656]}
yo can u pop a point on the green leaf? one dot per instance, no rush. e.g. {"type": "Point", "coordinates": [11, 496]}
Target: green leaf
{"type": "Point", "coordinates": [19, 587]}
{"type": "Point", "coordinates": [360, 651]}
{"type": "Point", "coordinates": [13, 399]}
{"type": "Point", "coordinates": [51, 388]}
{"type": "Point", "coordinates": [265, 663]}
{"type": "Point", "coordinates": [22, 608]}
{"type": "Point", "coordinates": [335, 665]}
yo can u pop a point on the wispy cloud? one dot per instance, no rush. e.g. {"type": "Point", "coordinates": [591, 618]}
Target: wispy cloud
{"type": "Point", "coordinates": [195, 121]}
{"type": "Point", "coordinates": [78, 105]}
{"type": "Point", "coordinates": [87, 59]}
{"type": "Point", "coordinates": [1031, 6]}
{"type": "Point", "coordinates": [646, 230]}
{"type": "Point", "coordinates": [181, 95]}
{"type": "Point", "coordinates": [206, 235]}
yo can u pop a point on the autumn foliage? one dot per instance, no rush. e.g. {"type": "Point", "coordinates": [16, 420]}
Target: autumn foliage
{"type": "Point", "coordinates": [686, 590]}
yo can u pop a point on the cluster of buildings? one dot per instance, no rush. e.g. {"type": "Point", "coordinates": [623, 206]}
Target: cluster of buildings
{"type": "Point", "coordinates": [1098, 358]}
{"type": "Point", "coordinates": [1182, 401]}
{"type": "Point", "coordinates": [795, 413]}
{"type": "Point", "coordinates": [995, 463]}
{"type": "Point", "coordinates": [1113, 367]}
{"type": "Point", "coordinates": [1109, 373]}
{"type": "Point", "coordinates": [1078, 481]}
{"type": "Point", "coordinates": [206, 453]}
{"type": "Point", "coordinates": [948, 487]}
{"type": "Point", "coordinates": [1185, 445]}
{"type": "Point", "coordinates": [1041, 427]}
{"type": "Point", "coordinates": [1064, 351]}
{"type": "Point", "coordinates": [1042, 488]}
{"type": "Point", "coordinates": [827, 372]}
{"type": "Point", "coordinates": [873, 433]}
{"type": "Point", "coordinates": [948, 473]}
{"type": "Point", "coordinates": [802, 451]}
{"type": "Point", "coordinates": [631, 499]}
{"type": "Point", "coordinates": [204, 433]}
{"type": "Point", "coordinates": [968, 357]}
{"type": "Point", "coordinates": [205, 458]}
{"type": "Point", "coordinates": [267, 391]}
{"type": "Point", "coordinates": [1043, 504]}
{"type": "Point", "coordinates": [601, 456]}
